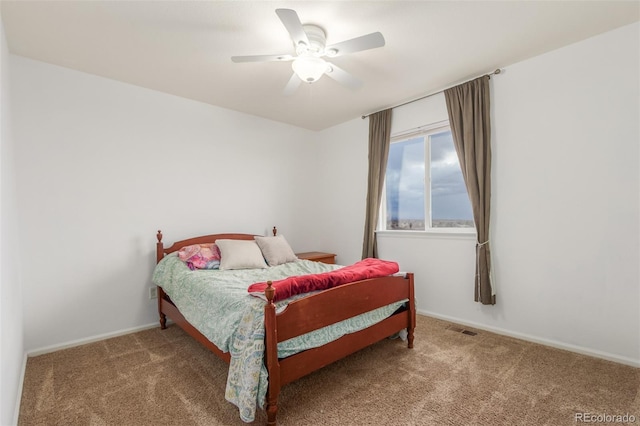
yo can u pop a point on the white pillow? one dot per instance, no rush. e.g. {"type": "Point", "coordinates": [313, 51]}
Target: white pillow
{"type": "Point", "coordinates": [276, 250]}
{"type": "Point", "coordinates": [240, 254]}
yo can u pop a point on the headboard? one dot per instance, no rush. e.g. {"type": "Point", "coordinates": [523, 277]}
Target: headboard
{"type": "Point", "coordinates": [161, 251]}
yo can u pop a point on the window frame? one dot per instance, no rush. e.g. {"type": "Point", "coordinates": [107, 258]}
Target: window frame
{"type": "Point", "coordinates": [422, 131]}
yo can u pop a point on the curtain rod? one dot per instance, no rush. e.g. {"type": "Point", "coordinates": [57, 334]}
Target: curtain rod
{"type": "Point", "coordinates": [497, 71]}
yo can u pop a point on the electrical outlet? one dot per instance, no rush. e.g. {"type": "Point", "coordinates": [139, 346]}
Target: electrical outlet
{"type": "Point", "coordinates": [153, 292]}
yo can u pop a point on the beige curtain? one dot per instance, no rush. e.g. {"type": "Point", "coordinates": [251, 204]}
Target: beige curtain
{"type": "Point", "coordinates": [468, 107]}
{"type": "Point", "coordinates": [379, 140]}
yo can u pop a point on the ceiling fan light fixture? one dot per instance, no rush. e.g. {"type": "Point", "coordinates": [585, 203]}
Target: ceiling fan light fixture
{"type": "Point", "coordinates": [309, 68]}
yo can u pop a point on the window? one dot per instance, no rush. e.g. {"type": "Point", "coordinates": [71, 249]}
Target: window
{"type": "Point", "coordinates": [424, 188]}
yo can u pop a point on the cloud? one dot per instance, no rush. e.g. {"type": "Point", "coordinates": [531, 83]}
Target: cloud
{"type": "Point", "coordinates": [405, 180]}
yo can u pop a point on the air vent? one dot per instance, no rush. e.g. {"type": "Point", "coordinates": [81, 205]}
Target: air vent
{"type": "Point", "coordinates": [458, 329]}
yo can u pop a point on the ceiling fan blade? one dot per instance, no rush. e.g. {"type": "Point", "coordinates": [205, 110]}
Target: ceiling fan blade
{"type": "Point", "coordinates": [262, 58]}
{"type": "Point", "coordinates": [365, 42]}
{"type": "Point", "coordinates": [343, 77]}
{"type": "Point", "coordinates": [292, 85]}
{"type": "Point", "coordinates": [293, 25]}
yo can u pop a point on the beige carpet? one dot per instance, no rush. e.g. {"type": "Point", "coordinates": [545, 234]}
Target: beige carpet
{"type": "Point", "coordinates": [156, 377]}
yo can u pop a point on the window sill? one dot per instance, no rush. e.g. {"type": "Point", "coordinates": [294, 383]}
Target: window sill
{"type": "Point", "coordinates": [448, 233]}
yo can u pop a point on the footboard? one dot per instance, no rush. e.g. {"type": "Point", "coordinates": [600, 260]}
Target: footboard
{"type": "Point", "coordinates": [326, 308]}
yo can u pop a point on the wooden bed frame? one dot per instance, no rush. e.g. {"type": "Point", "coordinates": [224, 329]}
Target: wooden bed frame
{"type": "Point", "coordinates": [305, 315]}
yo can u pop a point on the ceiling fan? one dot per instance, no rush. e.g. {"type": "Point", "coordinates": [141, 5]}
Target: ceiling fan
{"type": "Point", "coordinates": [310, 44]}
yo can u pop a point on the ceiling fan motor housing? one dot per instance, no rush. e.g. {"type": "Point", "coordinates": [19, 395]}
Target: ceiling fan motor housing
{"type": "Point", "coordinates": [317, 41]}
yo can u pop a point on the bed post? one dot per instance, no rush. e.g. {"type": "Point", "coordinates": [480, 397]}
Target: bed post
{"type": "Point", "coordinates": [160, 294]}
{"type": "Point", "coordinates": [412, 312]}
{"type": "Point", "coordinates": [271, 354]}
{"type": "Point", "coordinates": [159, 247]}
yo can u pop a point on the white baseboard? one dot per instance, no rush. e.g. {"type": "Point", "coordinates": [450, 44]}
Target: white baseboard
{"type": "Point", "coordinates": [79, 342]}
{"type": "Point", "coordinates": [522, 336]}
{"type": "Point", "coordinates": [16, 409]}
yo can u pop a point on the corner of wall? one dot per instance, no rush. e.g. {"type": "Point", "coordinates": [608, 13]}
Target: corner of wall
{"type": "Point", "coordinates": [12, 353]}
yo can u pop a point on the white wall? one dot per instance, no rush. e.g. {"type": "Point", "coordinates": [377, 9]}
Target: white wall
{"type": "Point", "coordinates": [338, 205]}
{"type": "Point", "coordinates": [102, 165]}
{"type": "Point", "coordinates": [567, 194]}
{"type": "Point", "coordinates": [11, 333]}
{"type": "Point", "coordinates": [565, 206]}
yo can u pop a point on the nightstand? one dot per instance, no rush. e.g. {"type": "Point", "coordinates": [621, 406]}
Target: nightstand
{"type": "Point", "coordinates": [318, 256]}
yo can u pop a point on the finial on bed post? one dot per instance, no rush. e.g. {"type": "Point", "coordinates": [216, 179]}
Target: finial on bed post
{"type": "Point", "coordinates": [270, 292]}
{"type": "Point", "coordinates": [275, 231]}
{"type": "Point", "coordinates": [159, 247]}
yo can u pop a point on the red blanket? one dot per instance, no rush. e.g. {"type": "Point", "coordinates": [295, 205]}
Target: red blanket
{"type": "Point", "coordinates": [366, 268]}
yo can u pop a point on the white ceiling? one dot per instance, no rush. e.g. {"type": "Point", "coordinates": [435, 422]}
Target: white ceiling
{"type": "Point", "coordinates": [184, 47]}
